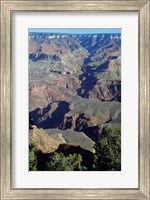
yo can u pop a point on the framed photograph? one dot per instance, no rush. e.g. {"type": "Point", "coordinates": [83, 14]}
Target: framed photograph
{"type": "Point", "coordinates": [75, 99]}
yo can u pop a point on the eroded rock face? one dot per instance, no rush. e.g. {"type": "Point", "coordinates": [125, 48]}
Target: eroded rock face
{"type": "Point", "coordinates": [75, 82]}
{"type": "Point", "coordinates": [60, 55]}
{"type": "Point", "coordinates": [106, 90]}
{"type": "Point", "coordinates": [53, 88]}
{"type": "Point", "coordinates": [79, 114]}
{"type": "Point", "coordinates": [61, 66]}
{"type": "Point", "coordinates": [54, 68]}
{"type": "Point", "coordinates": [90, 116]}
{"type": "Point", "coordinates": [101, 78]}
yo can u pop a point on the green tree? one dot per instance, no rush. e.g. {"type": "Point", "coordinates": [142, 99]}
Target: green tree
{"type": "Point", "coordinates": [60, 162]}
{"type": "Point", "coordinates": [108, 151]}
{"type": "Point", "coordinates": [32, 157]}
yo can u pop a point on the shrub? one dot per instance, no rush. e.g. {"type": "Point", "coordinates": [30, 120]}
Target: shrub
{"type": "Point", "coordinates": [32, 157]}
{"type": "Point", "coordinates": [60, 162]}
{"type": "Point", "coordinates": [108, 151]}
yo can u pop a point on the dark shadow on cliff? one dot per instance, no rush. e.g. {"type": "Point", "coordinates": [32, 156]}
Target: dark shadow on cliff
{"type": "Point", "coordinates": [37, 114]}
{"type": "Point", "coordinates": [56, 118]}
{"type": "Point", "coordinates": [93, 132]}
{"type": "Point", "coordinates": [90, 79]}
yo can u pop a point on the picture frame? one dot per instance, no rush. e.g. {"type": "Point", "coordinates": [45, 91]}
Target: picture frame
{"type": "Point", "coordinates": [7, 8]}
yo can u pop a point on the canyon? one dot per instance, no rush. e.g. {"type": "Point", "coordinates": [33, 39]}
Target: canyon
{"type": "Point", "coordinates": [74, 88]}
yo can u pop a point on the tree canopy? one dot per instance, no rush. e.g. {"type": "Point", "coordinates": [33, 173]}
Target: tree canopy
{"type": "Point", "coordinates": [108, 151]}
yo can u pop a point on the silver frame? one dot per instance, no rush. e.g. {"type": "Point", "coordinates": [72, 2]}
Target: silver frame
{"type": "Point", "coordinates": [143, 9]}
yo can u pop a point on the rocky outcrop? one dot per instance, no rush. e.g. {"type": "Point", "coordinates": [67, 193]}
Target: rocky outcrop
{"type": "Point", "coordinates": [73, 138]}
{"type": "Point", "coordinates": [90, 116]}
{"type": "Point", "coordinates": [83, 115]}
{"type": "Point", "coordinates": [43, 141]}
{"type": "Point", "coordinates": [49, 140]}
